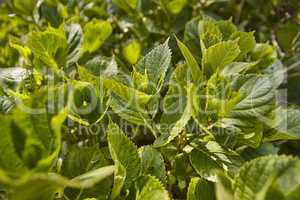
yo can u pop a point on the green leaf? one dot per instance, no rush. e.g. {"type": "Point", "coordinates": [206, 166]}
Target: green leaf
{"type": "Point", "coordinates": [235, 68]}
{"type": "Point", "coordinates": [233, 104]}
{"type": "Point", "coordinates": [288, 126]}
{"type": "Point", "coordinates": [221, 98]}
{"type": "Point", "coordinates": [132, 52]}
{"type": "Point", "coordinates": [149, 188]}
{"type": "Point", "coordinates": [178, 98]}
{"type": "Point", "coordinates": [23, 50]}
{"type": "Point", "coordinates": [210, 33]}
{"type": "Point", "coordinates": [192, 38]}
{"type": "Point", "coordinates": [56, 123]}
{"type": "Point", "coordinates": [95, 33]}
{"type": "Point", "coordinates": [100, 65]}
{"type": "Point", "coordinates": [9, 158]}
{"type": "Point", "coordinates": [210, 158]}
{"type": "Point", "coordinates": [30, 137]}
{"type": "Point", "coordinates": [140, 81]}
{"type": "Point", "coordinates": [286, 35]}
{"type": "Point", "coordinates": [246, 42]}
{"type": "Point", "coordinates": [219, 55]}
{"type": "Point", "coordinates": [49, 46]}
{"type": "Point", "coordinates": [200, 189]}
{"type": "Point", "coordinates": [80, 160]}
{"type": "Point", "coordinates": [90, 178]}
{"type": "Point", "coordinates": [152, 163]}
{"type": "Point", "coordinates": [191, 62]}
{"type": "Point", "coordinates": [119, 180]}
{"type": "Point", "coordinates": [246, 96]}
{"type": "Point", "coordinates": [237, 132]}
{"type": "Point", "coordinates": [204, 165]}
{"type": "Point", "coordinates": [49, 12]}
{"type": "Point", "coordinates": [277, 73]}
{"type": "Point", "coordinates": [226, 27]}
{"type": "Point", "coordinates": [263, 50]}
{"type": "Point", "coordinates": [156, 64]}
{"type": "Point", "coordinates": [224, 188]}
{"type": "Point", "coordinates": [181, 168]}
{"type": "Point", "coordinates": [50, 186]}
{"type": "Point", "coordinates": [127, 111]}
{"type": "Point", "coordinates": [265, 54]}
{"type": "Point", "coordinates": [257, 96]}
{"type": "Point", "coordinates": [124, 152]}
{"type": "Point", "coordinates": [37, 187]}
{"type": "Point", "coordinates": [127, 93]}
{"type": "Point", "coordinates": [267, 177]}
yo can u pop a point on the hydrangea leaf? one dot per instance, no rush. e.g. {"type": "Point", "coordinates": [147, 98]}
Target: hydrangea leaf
{"type": "Point", "coordinates": [156, 64]}
{"type": "Point", "coordinates": [200, 189]}
{"type": "Point", "coordinates": [152, 163]}
{"type": "Point", "coordinates": [219, 55]}
{"type": "Point", "coordinates": [49, 46]}
{"type": "Point", "coordinates": [264, 177]}
{"type": "Point", "coordinates": [123, 151]}
{"type": "Point", "coordinates": [149, 188]}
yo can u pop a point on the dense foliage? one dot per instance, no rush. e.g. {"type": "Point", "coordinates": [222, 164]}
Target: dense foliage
{"type": "Point", "coordinates": [149, 99]}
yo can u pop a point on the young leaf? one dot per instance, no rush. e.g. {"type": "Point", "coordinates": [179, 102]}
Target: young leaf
{"type": "Point", "coordinates": [219, 55]}
{"type": "Point", "coordinates": [95, 33]}
{"type": "Point", "coordinates": [49, 46]}
{"type": "Point", "coordinates": [156, 64]}
{"type": "Point", "coordinates": [246, 42]}
{"type": "Point", "coordinates": [210, 33]}
{"type": "Point", "coordinates": [132, 52]}
{"type": "Point", "coordinates": [226, 27]}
